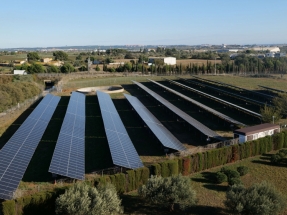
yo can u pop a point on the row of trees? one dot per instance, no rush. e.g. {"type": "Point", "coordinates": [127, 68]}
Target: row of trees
{"type": "Point", "coordinates": [173, 192]}
{"type": "Point", "coordinates": [39, 68]}
{"type": "Point", "coordinates": [58, 55]}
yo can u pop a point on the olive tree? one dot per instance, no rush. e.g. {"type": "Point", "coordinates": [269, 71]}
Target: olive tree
{"type": "Point", "coordinates": [82, 199]}
{"type": "Point", "coordinates": [170, 191]}
{"type": "Point", "coordinates": [259, 199]}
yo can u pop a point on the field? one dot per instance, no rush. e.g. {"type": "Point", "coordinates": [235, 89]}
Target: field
{"type": "Point", "coordinates": [97, 154]}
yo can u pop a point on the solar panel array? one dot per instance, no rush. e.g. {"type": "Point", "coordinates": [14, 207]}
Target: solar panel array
{"type": "Point", "coordinates": [164, 135]}
{"type": "Point", "coordinates": [215, 98]}
{"type": "Point", "coordinates": [15, 156]}
{"type": "Point", "coordinates": [273, 89]}
{"type": "Point", "coordinates": [69, 154]}
{"type": "Point", "coordinates": [122, 149]}
{"type": "Point", "coordinates": [234, 95]}
{"type": "Point", "coordinates": [216, 113]}
{"type": "Point", "coordinates": [232, 86]}
{"type": "Point", "coordinates": [193, 122]}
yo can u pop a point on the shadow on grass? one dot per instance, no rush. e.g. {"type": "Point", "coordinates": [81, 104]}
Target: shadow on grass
{"type": "Point", "coordinates": [216, 187]}
{"type": "Point", "coordinates": [137, 205]}
{"type": "Point", "coordinates": [267, 162]}
{"type": "Point", "coordinates": [207, 177]}
{"type": "Point", "coordinates": [202, 209]}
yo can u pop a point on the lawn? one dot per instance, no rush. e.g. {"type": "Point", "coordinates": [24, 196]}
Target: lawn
{"type": "Point", "coordinates": [211, 196]}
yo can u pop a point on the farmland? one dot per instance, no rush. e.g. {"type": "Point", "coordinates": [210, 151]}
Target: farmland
{"type": "Point", "coordinates": [97, 154]}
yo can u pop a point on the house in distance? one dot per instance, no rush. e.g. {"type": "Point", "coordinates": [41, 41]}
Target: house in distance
{"type": "Point", "coordinates": [162, 60]}
{"type": "Point", "coordinates": [255, 132]}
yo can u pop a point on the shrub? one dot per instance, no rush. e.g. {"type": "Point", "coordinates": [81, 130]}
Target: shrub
{"type": "Point", "coordinates": [186, 166]}
{"type": "Point", "coordinates": [258, 199]}
{"type": "Point", "coordinates": [234, 181]}
{"type": "Point", "coordinates": [170, 191]}
{"type": "Point", "coordinates": [8, 207]}
{"type": "Point", "coordinates": [230, 173]}
{"type": "Point", "coordinates": [220, 177]}
{"type": "Point", "coordinates": [279, 156]}
{"type": "Point", "coordinates": [83, 199]}
{"type": "Point", "coordinates": [155, 169]}
{"type": "Point", "coordinates": [164, 169]}
{"type": "Point", "coordinates": [243, 170]}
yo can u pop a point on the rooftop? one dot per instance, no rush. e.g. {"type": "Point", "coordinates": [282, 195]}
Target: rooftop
{"type": "Point", "coordinates": [256, 129]}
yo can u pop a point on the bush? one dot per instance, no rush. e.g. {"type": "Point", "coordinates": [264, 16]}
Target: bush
{"type": "Point", "coordinates": [220, 177]}
{"type": "Point", "coordinates": [230, 173]}
{"type": "Point", "coordinates": [83, 199]}
{"type": "Point", "coordinates": [243, 170]}
{"type": "Point", "coordinates": [234, 181]}
{"type": "Point", "coordinates": [98, 68]}
{"type": "Point", "coordinates": [170, 191]}
{"type": "Point", "coordinates": [155, 169]}
{"type": "Point", "coordinates": [279, 156]}
{"type": "Point", "coordinates": [258, 199]}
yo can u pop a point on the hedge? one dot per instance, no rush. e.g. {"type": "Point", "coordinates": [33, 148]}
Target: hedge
{"type": "Point", "coordinates": [44, 202]}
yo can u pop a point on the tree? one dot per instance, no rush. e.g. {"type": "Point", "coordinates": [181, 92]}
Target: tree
{"type": "Point", "coordinates": [169, 191]}
{"type": "Point", "coordinates": [36, 68]}
{"type": "Point", "coordinates": [128, 66]}
{"type": "Point", "coordinates": [60, 55]}
{"type": "Point", "coordinates": [67, 68]}
{"type": "Point", "coordinates": [259, 199]}
{"type": "Point", "coordinates": [82, 199]}
{"type": "Point", "coordinates": [33, 56]}
{"type": "Point", "coordinates": [280, 103]}
{"type": "Point", "coordinates": [270, 113]}
{"type": "Point", "coordinates": [108, 60]}
{"type": "Point", "coordinates": [52, 69]}
{"type": "Point", "coordinates": [97, 68]}
{"type": "Point", "coordinates": [129, 56]}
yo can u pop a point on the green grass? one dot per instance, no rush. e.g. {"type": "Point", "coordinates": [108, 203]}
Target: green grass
{"type": "Point", "coordinates": [251, 83]}
{"type": "Point", "coordinates": [211, 196]}
{"type": "Point", "coordinates": [107, 81]}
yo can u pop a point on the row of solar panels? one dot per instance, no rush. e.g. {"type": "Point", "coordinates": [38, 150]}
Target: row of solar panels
{"type": "Point", "coordinates": [68, 158]}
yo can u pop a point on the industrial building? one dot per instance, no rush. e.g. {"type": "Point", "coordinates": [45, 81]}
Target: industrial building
{"type": "Point", "coordinates": [270, 49]}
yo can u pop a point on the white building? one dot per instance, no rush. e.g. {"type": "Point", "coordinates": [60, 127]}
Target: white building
{"type": "Point", "coordinates": [255, 132]}
{"type": "Point", "coordinates": [271, 49]}
{"type": "Point", "coordinates": [46, 60]}
{"type": "Point", "coordinates": [271, 54]}
{"type": "Point", "coordinates": [19, 72]}
{"type": "Point", "coordinates": [166, 60]}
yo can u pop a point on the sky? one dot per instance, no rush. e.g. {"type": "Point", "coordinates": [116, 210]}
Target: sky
{"type": "Point", "coordinates": [43, 23]}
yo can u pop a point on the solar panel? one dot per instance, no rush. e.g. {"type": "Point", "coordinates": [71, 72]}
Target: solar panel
{"type": "Point", "coordinates": [15, 156]}
{"type": "Point", "coordinates": [122, 149]}
{"type": "Point", "coordinates": [69, 154]}
{"type": "Point", "coordinates": [216, 113]}
{"type": "Point", "coordinates": [193, 122]}
{"type": "Point", "coordinates": [215, 98]}
{"type": "Point", "coordinates": [232, 86]}
{"type": "Point", "coordinates": [164, 135]}
{"type": "Point", "coordinates": [273, 89]}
